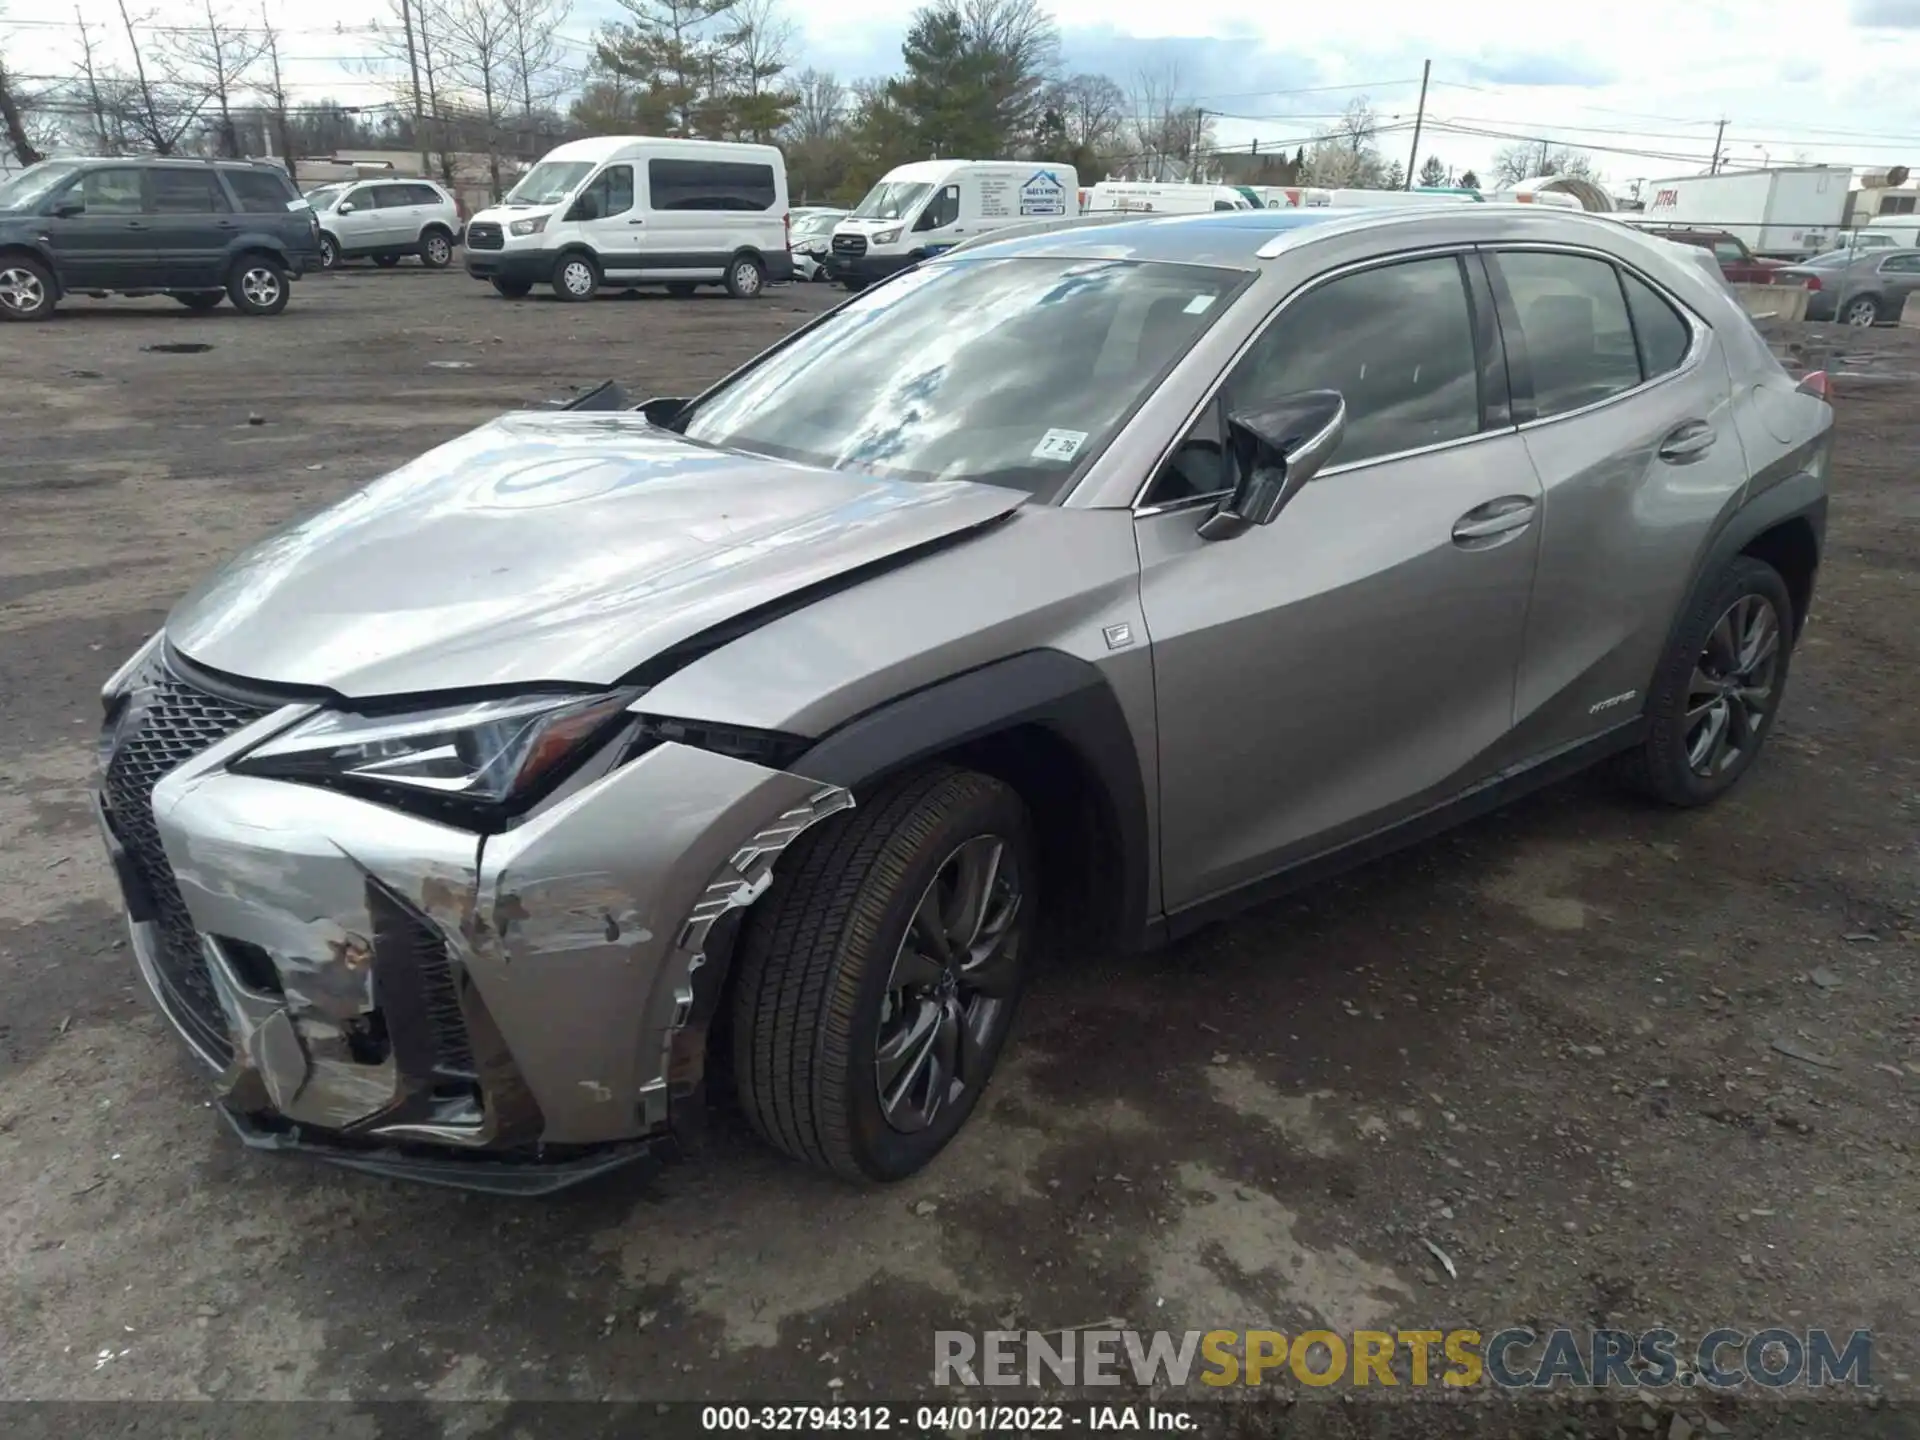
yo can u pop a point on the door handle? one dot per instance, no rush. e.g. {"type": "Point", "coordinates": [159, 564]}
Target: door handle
{"type": "Point", "coordinates": [1508, 515]}
{"type": "Point", "coordinates": [1694, 438]}
{"type": "Point", "coordinates": [636, 222]}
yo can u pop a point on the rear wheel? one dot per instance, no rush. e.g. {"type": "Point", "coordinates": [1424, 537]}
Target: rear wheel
{"type": "Point", "coordinates": [1862, 311]}
{"type": "Point", "coordinates": [257, 285]}
{"type": "Point", "coordinates": [1717, 690]}
{"type": "Point", "coordinates": [512, 289]}
{"type": "Point", "coordinates": [436, 250]}
{"type": "Point", "coordinates": [746, 277]}
{"type": "Point", "coordinates": [878, 978]}
{"type": "Point", "coordinates": [201, 299]}
{"type": "Point", "coordinates": [26, 289]}
{"type": "Point", "coordinates": [576, 277]}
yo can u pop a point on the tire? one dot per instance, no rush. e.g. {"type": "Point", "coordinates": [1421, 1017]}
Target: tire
{"type": "Point", "coordinates": [576, 276]}
{"type": "Point", "coordinates": [330, 256]}
{"type": "Point", "coordinates": [257, 285]}
{"type": "Point", "coordinates": [512, 289]}
{"type": "Point", "coordinates": [746, 277]}
{"type": "Point", "coordinates": [1695, 673]}
{"type": "Point", "coordinates": [201, 299]}
{"type": "Point", "coordinates": [1861, 312]}
{"type": "Point", "coordinates": [436, 249]}
{"type": "Point", "coordinates": [816, 974]}
{"type": "Point", "coordinates": [27, 291]}
{"type": "Point", "coordinates": [680, 289]}
{"type": "Point", "coordinates": [386, 262]}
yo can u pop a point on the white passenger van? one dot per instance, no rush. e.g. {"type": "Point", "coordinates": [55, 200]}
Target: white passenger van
{"type": "Point", "coordinates": [921, 209]}
{"type": "Point", "coordinates": [1154, 199]}
{"type": "Point", "coordinates": [624, 211]}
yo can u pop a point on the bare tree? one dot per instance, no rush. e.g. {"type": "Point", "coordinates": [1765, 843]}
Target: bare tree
{"type": "Point", "coordinates": [13, 117]}
{"type": "Point", "coordinates": [103, 95]}
{"type": "Point", "coordinates": [1515, 163]}
{"type": "Point", "coordinates": [537, 71]}
{"type": "Point", "coordinates": [820, 109]}
{"type": "Point", "coordinates": [409, 60]}
{"type": "Point", "coordinates": [160, 111]}
{"type": "Point", "coordinates": [756, 54]}
{"type": "Point", "coordinates": [1170, 138]}
{"type": "Point", "coordinates": [1093, 110]}
{"type": "Point", "coordinates": [215, 59]}
{"type": "Point", "coordinates": [276, 92]}
{"type": "Point", "coordinates": [1344, 156]}
{"type": "Point", "coordinates": [477, 50]}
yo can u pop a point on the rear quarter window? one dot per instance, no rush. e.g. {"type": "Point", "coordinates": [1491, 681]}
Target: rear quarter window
{"type": "Point", "coordinates": [259, 192]}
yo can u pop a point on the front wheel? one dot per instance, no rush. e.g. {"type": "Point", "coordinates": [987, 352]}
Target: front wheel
{"type": "Point", "coordinates": [879, 975]}
{"type": "Point", "coordinates": [436, 251]}
{"type": "Point", "coordinates": [329, 253]}
{"type": "Point", "coordinates": [512, 289]}
{"type": "Point", "coordinates": [746, 277]}
{"type": "Point", "coordinates": [202, 299]}
{"type": "Point", "coordinates": [26, 289]}
{"type": "Point", "coordinates": [257, 286]}
{"type": "Point", "coordinates": [1717, 689]}
{"type": "Point", "coordinates": [1862, 312]}
{"type": "Point", "coordinates": [576, 277]}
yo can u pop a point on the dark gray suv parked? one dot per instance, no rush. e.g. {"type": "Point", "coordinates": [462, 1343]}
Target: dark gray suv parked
{"type": "Point", "coordinates": [197, 230]}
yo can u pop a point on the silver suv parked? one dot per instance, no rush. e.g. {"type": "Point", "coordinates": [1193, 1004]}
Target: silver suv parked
{"type": "Point", "coordinates": [383, 220]}
{"type": "Point", "coordinates": [1123, 576]}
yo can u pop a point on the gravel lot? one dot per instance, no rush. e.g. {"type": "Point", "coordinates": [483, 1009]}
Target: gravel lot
{"type": "Point", "coordinates": [1546, 1043]}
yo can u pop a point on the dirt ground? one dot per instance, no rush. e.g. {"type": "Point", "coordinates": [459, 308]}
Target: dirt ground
{"type": "Point", "coordinates": [1547, 1044]}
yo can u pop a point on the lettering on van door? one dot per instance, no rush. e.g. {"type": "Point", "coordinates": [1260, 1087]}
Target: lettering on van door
{"type": "Point", "coordinates": [996, 197]}
{"type": "Point", "coordinates": [1043, 194]}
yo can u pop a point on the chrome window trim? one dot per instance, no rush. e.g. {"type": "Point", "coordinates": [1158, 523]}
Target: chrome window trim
{"type": "Point", "coordinates": [1696, 351]}
{"type": "Point", "coordinates": [1426, 252]}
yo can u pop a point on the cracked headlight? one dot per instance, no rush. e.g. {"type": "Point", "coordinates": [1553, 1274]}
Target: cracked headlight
{"type": "Point", "coordinates": [491, 753]}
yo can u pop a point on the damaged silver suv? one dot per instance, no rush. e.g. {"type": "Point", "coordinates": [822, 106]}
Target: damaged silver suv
{"type": "Point", "coordinates": [1069, 590]}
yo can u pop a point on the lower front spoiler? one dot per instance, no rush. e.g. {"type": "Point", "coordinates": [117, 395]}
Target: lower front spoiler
{"type": "Point", "coordinates": [477, 1172]}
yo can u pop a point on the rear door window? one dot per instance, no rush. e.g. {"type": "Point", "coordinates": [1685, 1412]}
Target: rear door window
{"type": "Point", "coordinates": [710, 185]}
{"type": "Point", "coordinates": [186, 192]}
{"type": "Point", "coordinates": [1574, 330]}
{"type": "Point", "coordinates": [395, 197]}
{"type": "Point", "coordinates": [365, 198]}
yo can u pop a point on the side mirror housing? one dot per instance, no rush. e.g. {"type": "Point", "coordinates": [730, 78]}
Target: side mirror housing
{"type": "Point", "coordinates": [1276, 450]}
{"type": "Point", "coordinates": [663, 412]}
{"type": "Point", "coordinates": [346, 207]}
{"type": "Point", "coordinates": [67, 209]}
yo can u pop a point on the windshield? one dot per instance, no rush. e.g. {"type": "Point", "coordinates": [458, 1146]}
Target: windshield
{"type": "Point", "coordinates": [1010, 372]}
{"type": "Point", "coordinates": [890, 199]}
{"type": "Point", "coordinates": [33, 184]}
{"type": "Point", "coordinates": [811, 225]}
{"type": "Point", "coordinates": [549, 182]}
{"type": "Point", "coordinates": [323, 197]}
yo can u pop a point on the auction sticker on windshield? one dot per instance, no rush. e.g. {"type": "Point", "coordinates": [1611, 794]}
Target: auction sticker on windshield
{"type": "Point", "coordinates": [1060, 445]}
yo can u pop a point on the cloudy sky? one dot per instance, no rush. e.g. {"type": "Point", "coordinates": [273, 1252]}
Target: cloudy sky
{"type": "Point", "coordinates": [1642, 87]}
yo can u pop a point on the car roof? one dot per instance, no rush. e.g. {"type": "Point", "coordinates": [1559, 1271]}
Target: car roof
{"type": "Point", "coordinates": [1243, 239]}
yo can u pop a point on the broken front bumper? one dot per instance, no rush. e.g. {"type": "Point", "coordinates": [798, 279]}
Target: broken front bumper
{"type": "Point", "coordinates": [415, 998]}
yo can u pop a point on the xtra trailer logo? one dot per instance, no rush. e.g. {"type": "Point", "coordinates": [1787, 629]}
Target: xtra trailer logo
{"type": "Point", "coordinates": [1043, 194]}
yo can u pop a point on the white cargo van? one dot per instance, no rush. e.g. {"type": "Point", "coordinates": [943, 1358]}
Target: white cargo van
{"type": "Point", "coordinates": [1152, 199]}
{"type": "Point", "coordinates": [624, 211]}
{"type": "Point", "coordinates": [921, 209]}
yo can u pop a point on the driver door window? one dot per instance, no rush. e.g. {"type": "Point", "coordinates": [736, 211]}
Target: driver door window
{"type": "Point", "coordinates": [942, 210]}
{"type": "Point", "coordinates": [1395, 341]}
{"type": "Point", "coordinates": [110, 192]}
{"type": "Point", "coordinates": [610, 193]}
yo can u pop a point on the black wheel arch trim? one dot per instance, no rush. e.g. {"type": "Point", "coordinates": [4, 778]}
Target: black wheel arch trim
{"type": "Point", "coordinates": [1801, 496]}
{"type": "Point", "coordinates": [1047, 689]}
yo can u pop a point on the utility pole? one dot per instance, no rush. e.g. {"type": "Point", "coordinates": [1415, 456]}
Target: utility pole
{"type": "Point", "coordinates": [283, 139]}
{"type": "Point", "coordinates": [413, 68]}
{"type": "Point", "coordinates": [1426, 69]}
{"type": "Point", "coordinates": [1718, 135]}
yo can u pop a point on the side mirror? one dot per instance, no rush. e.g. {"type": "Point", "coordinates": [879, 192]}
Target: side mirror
{"type": "Point", "coordinates": [346, 207]}
{"type": "Point", "coordinates": [67, 209]}
{"type": "Point", "coordinates": [1276, 450]}
{"type": "Point", "coordinates": [663, 412]}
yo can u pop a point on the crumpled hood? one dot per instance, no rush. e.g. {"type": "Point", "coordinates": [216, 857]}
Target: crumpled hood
{"type": "Point", "coordinates": [549, 547]}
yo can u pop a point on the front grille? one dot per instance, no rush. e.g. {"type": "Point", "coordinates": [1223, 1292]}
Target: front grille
{"type": "Point", "coordinates": [852, 246]}
{"type": "Point", "coordinates": [175, 722]}
{"type": "Point", "coordinates": [485, 235]}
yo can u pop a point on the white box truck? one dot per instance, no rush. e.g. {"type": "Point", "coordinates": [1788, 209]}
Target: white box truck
{"type": "Point", "coordinates": [921, 209]}
{"type": "Point", "coordinates": [1783, 214]}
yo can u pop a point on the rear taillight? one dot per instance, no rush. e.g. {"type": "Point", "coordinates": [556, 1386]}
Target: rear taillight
{"type": "Point", "coordinates": [1816, 384]}
{"type": "Point", "coordinates": [1813, 282]}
